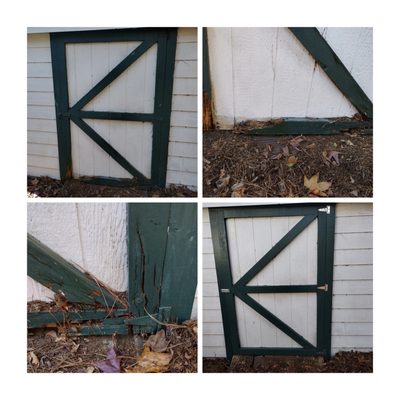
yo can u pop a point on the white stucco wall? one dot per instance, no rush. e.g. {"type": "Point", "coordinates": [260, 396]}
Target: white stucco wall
{"type": "Point", "coordinates": [263, 73]}
{"type": "Point", "coordinates": [42, 130]}
{"type": "Point", "coordinates": [352, 312]}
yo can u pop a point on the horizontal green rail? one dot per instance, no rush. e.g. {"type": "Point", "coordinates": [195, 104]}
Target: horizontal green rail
{"type": "Point", "coordinates": [310, 126]}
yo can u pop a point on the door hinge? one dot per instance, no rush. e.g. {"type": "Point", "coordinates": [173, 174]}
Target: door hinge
{"type": "Point", "coordinates": [225, 291]}
{"type": "Point", "coordinates": [323, 287]}
{"type": "Point", "coordinates": [326, 209]}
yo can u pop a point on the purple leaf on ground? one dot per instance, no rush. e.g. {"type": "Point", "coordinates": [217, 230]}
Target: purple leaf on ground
{"type": "Point", "coordinates": [112, 364]}
{"type": "Point", "coordinates": [335, 156]}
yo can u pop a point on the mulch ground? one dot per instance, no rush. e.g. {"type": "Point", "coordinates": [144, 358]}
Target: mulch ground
{"type": "Point", "coordinates": [240, 165]}
{"type": "Point", "coordinates": [344, 361]}
{"type": "Point", "coordinates": [52, 352]}
{"type": "Point", "coordinates": [48, 187]}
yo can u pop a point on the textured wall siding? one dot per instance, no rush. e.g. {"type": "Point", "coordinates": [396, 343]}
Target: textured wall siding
{"type": "Point", "coordinates": [42, 131]}
{"type": "Point", "coordinates": [352, 287]}
{"type": "Point", "coordinates": [263, 73]}
{"type": "Point", "coordinates": [182, 151]}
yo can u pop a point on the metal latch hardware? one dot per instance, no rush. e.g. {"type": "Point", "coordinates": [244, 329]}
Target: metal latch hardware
{"type": "Point", "coordinates": [326, 209]}
{"type": "Point", "coordinates": [225, 291]}
{"type": "Point", "coordinates": [323, 287]}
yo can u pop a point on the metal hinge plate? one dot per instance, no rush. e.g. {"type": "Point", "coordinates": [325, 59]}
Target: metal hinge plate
{"type": "Point", "coordinates": [323, 287]}
{"type": "Point", "coordinates": [225, 291]}
{"type": "Point", "coordinates": [326, 209]}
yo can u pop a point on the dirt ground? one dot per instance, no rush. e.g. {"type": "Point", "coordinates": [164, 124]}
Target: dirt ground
{"type": "Point", "coordinates": [50, 351]}
{"type": "Point", "coordinates": [240, 165]}
{"type": "Point", "coordinates": [48, 187]}
{"type": "Point", "coordinates": [344, 361]}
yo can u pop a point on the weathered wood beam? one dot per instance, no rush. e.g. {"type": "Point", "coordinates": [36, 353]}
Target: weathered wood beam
{"type": "Point", "coordinates": [310, 126]}
{"type": "Point", "coordinates": [44, 318]}
{"type": "Point", "coordinates": [59, 275]}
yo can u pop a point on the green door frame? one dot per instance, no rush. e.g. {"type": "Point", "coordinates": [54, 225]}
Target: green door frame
{"type": "Point", "coordinates": [160, 118]}
{"type": "Point", "coordinates": [325, 56]}
{"type": "Point", "coordinates": [228, 290]}
{"type": "Point", "coordinates": [162, 275]}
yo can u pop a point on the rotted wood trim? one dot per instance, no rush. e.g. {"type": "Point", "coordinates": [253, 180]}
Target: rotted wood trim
{"type": "Point", "coordinates": [311, 126]}
{"type": "Point", "coordinates": [180, 264]}
{"type": "Point", "coordinates": [324, 55]}
{"type": "Point", "coordinates": [208, 122]}
{"type": "Point", "coordinates": [147, 241]}
{"type": "Point", "coordinates": [61, 276]}
{"type": "Point", "coordinates": [162, 246]}
{"type": "Point", "coordinates": [118, 182]}
{"type": "Point", "coordinates": [42, 318]}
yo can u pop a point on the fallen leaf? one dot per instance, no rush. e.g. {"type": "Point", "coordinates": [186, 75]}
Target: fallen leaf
{"type": "Point", "coordinates": [112, 364]}
{"type": "Point", "coordinates": [75, 347]}
{"type": "Point", "coordinates": [276, 156]}
{"type": "Point", "coordinates": [295, 142]}
{"type": "Point", "coordinates": [310, 146]}
{"type": "Point", "coordinates": [34, 181]}
{"type": "Point", "coordinates": [150, 361]}
{"type": "Point", "coordinates": [158, 342]}
{"type": "Point", "coordinates": [354, 193]}
{"type": "Point", "coordinates": [222, 182]}
{"type": "Point", "coordinates": [335, 156]}
{"type": "Point", "coordinates": [292, 160]}
{"type": "Point", "coordinates": [285, 150]}
{"type": "Point", "coordinates": [352, 179]}
{"type": "Point", "coordinates": [349, 142]}
{"type": "Point", "coordinates": [90, 370]}
{"type": "Point", "coordinates": [33, 358]}
{"type": "Point", "coordinates": [52, 334]}
{"type": "Point", "coordinates": [238, 189]}
{"type": "Point", "coordinates": [316, 188]}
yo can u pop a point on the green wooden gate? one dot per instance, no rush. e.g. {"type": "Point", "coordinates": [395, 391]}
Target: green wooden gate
{"type": "Point", "coordinates": [160, 118]}
{"type": "Point", "coordinates": [229, 290]}
{"type": "Point", "coordinates": [162, 276]}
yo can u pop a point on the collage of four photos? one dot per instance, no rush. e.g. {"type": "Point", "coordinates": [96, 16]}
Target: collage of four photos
{"type": "Point", "coordinates": [225, 185]}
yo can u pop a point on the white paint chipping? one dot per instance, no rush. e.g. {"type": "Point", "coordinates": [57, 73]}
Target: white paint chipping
{"type": "Point", "coordinates": [263, 73]}
{"type": "Point", "coordinates": [352, 287]}
{"type": "Point", "coordinates": [85, 67]}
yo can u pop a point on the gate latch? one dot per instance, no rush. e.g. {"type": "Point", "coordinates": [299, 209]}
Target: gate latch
{"type": "Point", "coordinates": [323, 287]}
{"type": "Point", "coordinates": [225, 291]}
{"type": "Point", "coordinates": [326, 209]}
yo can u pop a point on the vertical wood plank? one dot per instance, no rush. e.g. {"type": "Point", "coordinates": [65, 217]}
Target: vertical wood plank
{"type": "Point", "coordinates": [179, 277]}
{"type": "Point", "coordinates": [147, 241]}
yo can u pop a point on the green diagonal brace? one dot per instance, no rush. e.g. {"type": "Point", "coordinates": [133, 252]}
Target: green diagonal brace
{"type": "Point", "coordinates": [51, 270]}
{"type": "Point", "coordinates": [324, 55]}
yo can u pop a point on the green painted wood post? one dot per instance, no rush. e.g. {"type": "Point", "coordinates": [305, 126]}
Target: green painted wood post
{"type": "Point", "coordinates": [162, 258]}
{"type": "Point", "coordinates": [180, 267]}
{"type": "Point", "coordinates": [147, 241]}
